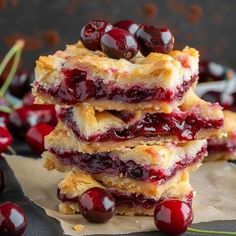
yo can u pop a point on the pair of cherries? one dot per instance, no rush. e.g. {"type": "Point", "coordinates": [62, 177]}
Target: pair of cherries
{"type": "Point", "coordinates": [125, 38]}
{"type": "Point", "coordinates": [171, 216]}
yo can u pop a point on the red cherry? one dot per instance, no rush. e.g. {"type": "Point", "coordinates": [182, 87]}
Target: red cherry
{"type": "Point", "coordinates": [153, 39]}
{"type": "Point", "coordinates": [20, 84]}
{"type": "Point", "coordinates": [23, 118]}
{"type": "Point", "coordinates": [28, 99]}
{"type": "Point", "coordinates": [92, 32]}
{"type": "Point", "coordinates": [97, 205]}
{"type": "Point", "coordinates": [118, 43]}
{"type": "Point", "coordinates": [2, 181]}
{"type": "Point", "coordinates": [12, 220]}
{"type": "Point", "coordinates": [5, 139]}
{"type": "Point", "coordinates": [4, 119]}
{"type": "Point", "coordinates": [35, 137]}
{"type": "Point", "coordinates": [173, 216]}
{"type": "Point", "coordinates": [127, 25]}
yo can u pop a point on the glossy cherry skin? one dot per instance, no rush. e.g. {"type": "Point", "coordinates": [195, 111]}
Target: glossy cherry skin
{"type": "Point", "coordinates": [23, 118]}
{"type": "Point", "coordinates": [92, 32]}
{"type": "Point", "coordinates": [153, 39]}
{"type": "Point", "coordinates": [20, 84]}
{"type": "Point", "coordinates": [173, 216]}
{"type": "Point", "coordinates": [35, 137]}
{"type": "Point", "coordinates": [118, 43]}
{"type": "Point", "coordinates": [97, 205]}
{"type": "Point", "coordinates": [5, 139]}
{"type": "Point", "coordinates": [127, 25]}
{"type": "Point", "coordinates": [12, 220]}
{"type": "Point", "coordinates": [2, 181]}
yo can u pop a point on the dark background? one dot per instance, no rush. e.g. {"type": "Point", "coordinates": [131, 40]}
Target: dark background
{"type": "Point", "coordinates": [47, 25]}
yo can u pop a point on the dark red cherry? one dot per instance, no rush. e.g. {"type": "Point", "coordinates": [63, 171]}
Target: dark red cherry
{"type": "Point", "coordinates": [173, 216]}
{"type": "Point", "coordinates": [5, 139]}
{"type": "Point", "coordinates": [118, 43]}
{"type": "Point", "coordinates": [92, 32]}
{"type": "Point", "coordinates": [12, 220]}
{"type": "Point", "coordinates": [2, 181]}
{"type": "Point", "coordinates": [153, 39]}
{"type": "Point", "coordinates": [127, 25]}
{"type": "Point", "coordinates": [28, 99]}
{"type": "Point", "coordinates": [97, 205]}
{"type": "Point", "coordinates": [20, 84]}
{"type": "Point", "coordinates": [35, 137]}
{"type": "Point", "coordinates": [23, 118]}
{"type": "Point", "coordinates": [4, 119]}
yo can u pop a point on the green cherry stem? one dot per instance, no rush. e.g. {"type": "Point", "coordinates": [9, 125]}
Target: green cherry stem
{"type": "Point", "coordinates": [202, 231]}
{"type": "Point", "coordinates": [5, 109]}
{"type": "Point", "coordinates": [14, 51]}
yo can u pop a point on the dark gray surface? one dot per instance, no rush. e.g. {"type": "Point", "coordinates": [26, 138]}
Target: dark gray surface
{"type": "Point", "coordinates": [213, 34]}
{"type": "Point", "coordinates": [39, 224]}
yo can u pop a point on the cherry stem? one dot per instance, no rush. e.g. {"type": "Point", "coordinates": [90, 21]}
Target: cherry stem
{"type": "Point", "coordinates": [5, 109]}
{"type": "Point", "coordinates": [202, 231]}
{"type": "Point", "coordinates": [14, 51]}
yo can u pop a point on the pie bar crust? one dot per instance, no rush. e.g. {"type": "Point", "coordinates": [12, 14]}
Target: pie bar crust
{"type": "Point", "coordinates": [173, 75]}
{"type": "Point", "coordinates": [224, 148]}
{"type": "Point", "coordinates": [77, 183]}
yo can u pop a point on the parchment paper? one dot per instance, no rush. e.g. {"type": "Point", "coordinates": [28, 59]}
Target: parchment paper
{"type": "Point", "coordinates": [215, 184]}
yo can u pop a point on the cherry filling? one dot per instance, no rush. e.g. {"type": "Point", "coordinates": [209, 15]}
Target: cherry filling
{"type": "Point", "coordinates": [221, 146]}
{"type": "Point", "coordinates": [184, 125]}
{"type": "Point", "coordinates": [123, 199]}
{"type": "Point", "coordinates": [78, 87]}
{"type": "Point", "coordinates": [109, 163]}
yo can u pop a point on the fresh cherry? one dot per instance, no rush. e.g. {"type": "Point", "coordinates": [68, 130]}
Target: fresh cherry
{"type": "Point", "coordinates": [153, 39]}
{"type": "Point", "coordinates": [127, 25]}
{"type": "Point", "coordinates": [173, 216]}
{"type": "Point", "coordinates": [23, 118]}
{"type": "Point", "coordinates": [28, 99]}
{"type": "Point", "coordinates": [97, 205]}
{"type": "Point", "coordinates": [5, 139]}
{"type": "Point", "coordinates": [2, 181]}
{"type": "Point", "coordinates": [118, 43]}
{"type": "Point", "coordinates": [35, 137]}
{"type": "Point", "coordinates": [211, 71]}
{"type": "Point", "coordinates": [4, 119]}
{"type": "Point", "coordinates": [20, 84]}
{"type": "Point", "coordinates": [92, 32]}
{"type": "Point", "coordinates": [12, 220]}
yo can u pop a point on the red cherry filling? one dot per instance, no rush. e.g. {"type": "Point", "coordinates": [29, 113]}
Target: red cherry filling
{"type": "Point", "coordinates": [5, 139]}
{"type": "Point", "coordinates": [108, 163]}
{"type": "Point", "coordinates": [127, 25]}
{"type": "Point", "coordinates": [124, 199]}
{"type": "Point", "coordinates": [12, 220]}
{"type": "Point", "coordinates": [184, 125]}
{"type": "Point", "coordinates": [119, 43]}
{"type": "Point", "coordinates": [153, 39]}
{"type": "Point", "coordinates": [35, 136]}
{"type": "Point", "coordinates": [173, 216]}
{"type": "Point", "coordinates": [85, 88]}
{"type": "Point", "coordinates": [2, 181]}
{"type": "Point", "coordinates": [97, 205]}
{"type": "Point", "coordinates": [92, 32]}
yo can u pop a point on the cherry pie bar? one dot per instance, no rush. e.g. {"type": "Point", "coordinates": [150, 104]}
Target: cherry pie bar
{"type": "Point", "coordinates": [143, 169]}
{"type": "Point", "coordinates": [71, 188]}
{"type": "Point", "coordinates": [77, 75]}
{"type": "Point", "coordinates": [107, 130]}
{"type": "Point", "coordinates": [129, 122]}
{"type": "Point", "coordinates": [224, 148]}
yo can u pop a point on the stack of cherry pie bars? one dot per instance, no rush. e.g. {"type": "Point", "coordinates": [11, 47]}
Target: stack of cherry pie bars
{"type": "Point", "coordinates": [135, 128]}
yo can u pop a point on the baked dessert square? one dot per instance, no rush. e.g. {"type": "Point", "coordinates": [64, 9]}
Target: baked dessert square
{"type": "Point", "coordinates": [70, 189]}
{"type": "Point", "coordinates": [104, 131]}
{"type": "Point", "coordinates": [77, 75]}
{"type": "Point", "coordinates": [224, 148]}
{"type": "Point", "coordinates": [144, 169]}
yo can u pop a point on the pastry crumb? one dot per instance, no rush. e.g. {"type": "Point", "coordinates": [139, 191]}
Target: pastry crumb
{"type": "Point", "coordinates": [78, 227]}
